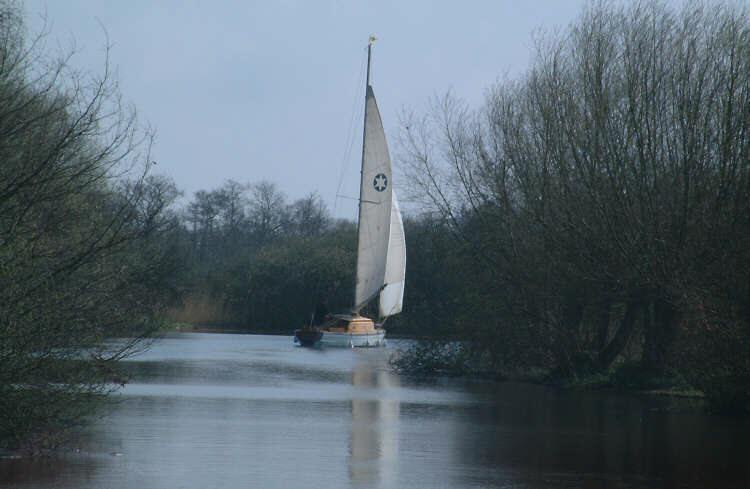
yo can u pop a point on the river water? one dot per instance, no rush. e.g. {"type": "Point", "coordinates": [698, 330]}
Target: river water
{"type": "Point", "coordinates": [233, 411]}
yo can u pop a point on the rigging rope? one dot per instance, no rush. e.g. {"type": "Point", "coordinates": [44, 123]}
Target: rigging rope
{"type": "Point", "coordinates": [357, 111]}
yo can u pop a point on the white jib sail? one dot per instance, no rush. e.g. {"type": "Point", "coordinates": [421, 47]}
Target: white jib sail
{"type": "Point", "coordinates": [374, 207]}
{"type": "Point", "coordinates": [392, 296]}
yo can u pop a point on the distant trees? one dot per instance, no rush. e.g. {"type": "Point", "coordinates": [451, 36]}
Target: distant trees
{"type": "Point", "coordinates": [259, 262]}
{"type": "Point", "coordinates": [84, 254]}
{"type": "Point", "coordinates": [606, 194]}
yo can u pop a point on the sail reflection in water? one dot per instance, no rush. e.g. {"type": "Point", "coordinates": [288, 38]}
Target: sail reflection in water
{"type": "Point", "coordinates": [373, 446]}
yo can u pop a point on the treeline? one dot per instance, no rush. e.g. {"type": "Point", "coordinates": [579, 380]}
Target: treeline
{"type": "Point", "coordinates": [257, 262]}
{"type": "Point", "coordinates": [86, 252]}
{"type": "Point", "coordinates": [600, 205]}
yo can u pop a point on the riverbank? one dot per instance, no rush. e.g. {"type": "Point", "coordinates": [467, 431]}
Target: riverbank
{"type": "Point", "coordinates": [437, 360]}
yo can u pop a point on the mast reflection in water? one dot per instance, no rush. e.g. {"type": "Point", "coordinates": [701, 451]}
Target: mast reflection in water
{"type": "Point", "coordinates": [373, 446]}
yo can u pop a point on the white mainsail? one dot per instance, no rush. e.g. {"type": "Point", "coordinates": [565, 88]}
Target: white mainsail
{"type": "Point", "coordinates": [392, 296]}
{"type": "Point", "coordinates": [374, 207]}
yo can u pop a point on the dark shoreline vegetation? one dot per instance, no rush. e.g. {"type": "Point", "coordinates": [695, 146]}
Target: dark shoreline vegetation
{"type": "Point", "coordinates": [598, 207]}
{"type": "Point", "coordinates": [588, 225]}
{"type": "Point", "coordinates": [86, 247]}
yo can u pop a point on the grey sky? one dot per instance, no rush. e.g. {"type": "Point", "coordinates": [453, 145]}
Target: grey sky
{"type": "Point", "coordinates": [252, 90]}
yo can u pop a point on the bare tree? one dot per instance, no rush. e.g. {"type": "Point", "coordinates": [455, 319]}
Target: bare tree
{"type": "Point", "coordinates": [308, 216]}
{"type": "Point", "coordinates": [608, 183]}
{"type": "Point", "coordinates": [82, 226]}
{"type": "Point", "coordinates": [266, 211]}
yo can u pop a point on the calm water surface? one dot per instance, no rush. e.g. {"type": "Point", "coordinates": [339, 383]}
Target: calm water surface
{"type": "Point", "coordinates": [233, 411]}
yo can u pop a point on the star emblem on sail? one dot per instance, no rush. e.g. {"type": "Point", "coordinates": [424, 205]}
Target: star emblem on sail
{"type": "Point", "coordinates": [380, 182]}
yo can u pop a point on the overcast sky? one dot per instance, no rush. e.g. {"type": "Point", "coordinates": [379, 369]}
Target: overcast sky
{"type": "Point", "coordinates": [265, 90]}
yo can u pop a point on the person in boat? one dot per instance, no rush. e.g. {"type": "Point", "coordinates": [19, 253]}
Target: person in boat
{"type": "Point", "coordinates": [321, 315]}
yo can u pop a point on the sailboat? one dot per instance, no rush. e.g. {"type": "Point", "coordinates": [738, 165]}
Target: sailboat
{"type": "Point", "coordinates": [381, 246]}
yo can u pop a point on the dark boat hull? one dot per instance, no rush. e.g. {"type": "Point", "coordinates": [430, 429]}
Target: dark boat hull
{"type": "Point", "coordinates": [307, 337]}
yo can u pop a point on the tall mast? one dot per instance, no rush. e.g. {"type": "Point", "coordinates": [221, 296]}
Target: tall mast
{"type": "Point", "coordinates": [369, 57]}
{"type": "Point", "coordinates": [370, 41]}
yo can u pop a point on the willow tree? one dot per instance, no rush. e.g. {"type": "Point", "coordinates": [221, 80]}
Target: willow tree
{"type": "Point", "coordinates": [606, 191]}
{"type": "Point", "coordinates": [83, 257]}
